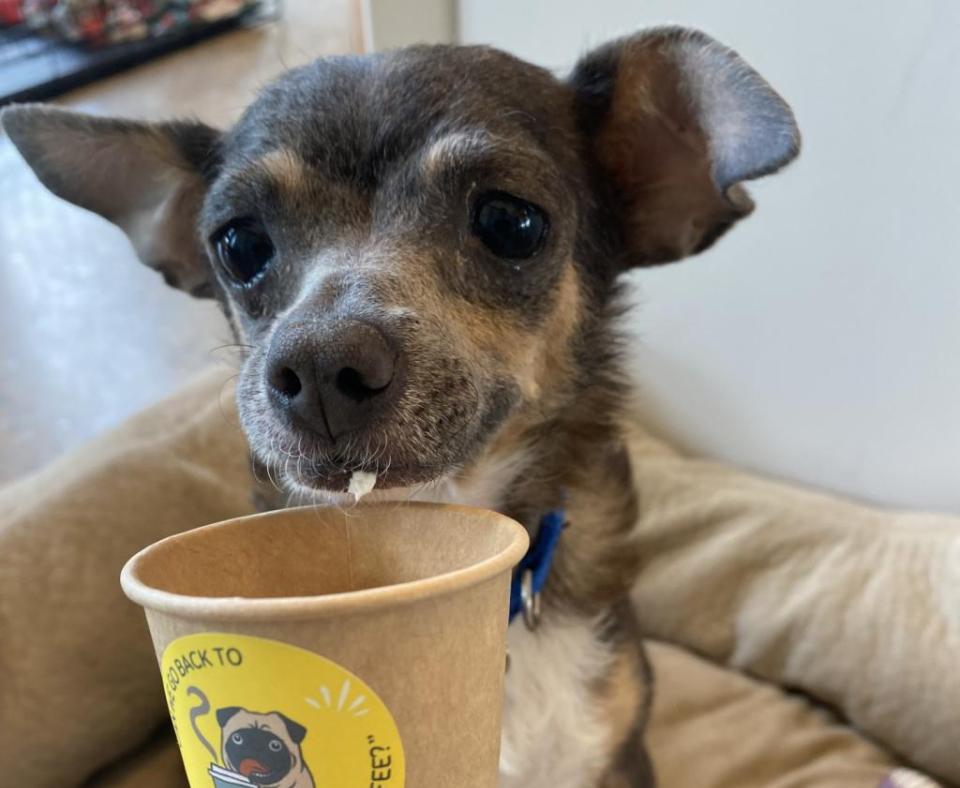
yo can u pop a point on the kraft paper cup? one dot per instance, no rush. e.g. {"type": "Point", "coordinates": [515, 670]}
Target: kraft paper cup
{"type": "Point", "coordinates": [319, 648]}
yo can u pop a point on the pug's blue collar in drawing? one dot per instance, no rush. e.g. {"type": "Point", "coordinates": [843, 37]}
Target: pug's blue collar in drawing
{"type": "Point", "coordinates": [531, 574]}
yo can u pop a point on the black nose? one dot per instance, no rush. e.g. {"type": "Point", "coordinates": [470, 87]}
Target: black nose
{"type": "Point", "coordinates": [332, 379]}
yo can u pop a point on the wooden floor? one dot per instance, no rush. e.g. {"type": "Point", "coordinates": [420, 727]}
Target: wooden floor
{"type": "Point", "coordinates": [87, 335]}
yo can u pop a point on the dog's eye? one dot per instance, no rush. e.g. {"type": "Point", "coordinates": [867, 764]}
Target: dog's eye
{"type": "Point", "coordinates": [508, 226]}
{"type": "Point", "coordinates": [244, 249]}
{"type": "Point", "coordinates": [275, 746]}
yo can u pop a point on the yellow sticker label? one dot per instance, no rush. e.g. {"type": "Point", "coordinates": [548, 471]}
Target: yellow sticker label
{"type": "Point", "coordinates": [254, 712]}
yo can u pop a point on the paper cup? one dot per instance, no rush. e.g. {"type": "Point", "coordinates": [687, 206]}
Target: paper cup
{"type": "Point", "coordinates": [319, 648]}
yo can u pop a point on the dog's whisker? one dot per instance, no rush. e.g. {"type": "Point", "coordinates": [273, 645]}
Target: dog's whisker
{"type": "Point", "coordinates": [220, 393]}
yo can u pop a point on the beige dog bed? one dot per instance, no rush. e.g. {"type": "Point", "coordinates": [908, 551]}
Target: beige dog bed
{"type": "Point", "coordinates": [856, 607]}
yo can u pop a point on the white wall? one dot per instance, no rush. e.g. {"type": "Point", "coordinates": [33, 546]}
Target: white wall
{"type": "Point", "coordinates": [395, 23]}
{"type": "Point", "coordinates": [820, 341]}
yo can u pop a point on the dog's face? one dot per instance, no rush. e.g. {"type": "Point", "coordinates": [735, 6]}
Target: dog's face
{"type": "Point", "coordinates": [264, 748]}
{"type": "Point", "coordinates": [396, 240]}
{"type": "Point", "coordinates": [417, 250]}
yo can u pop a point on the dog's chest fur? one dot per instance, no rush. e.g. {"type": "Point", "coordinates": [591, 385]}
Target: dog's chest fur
{"type": "Point", "coordinates": [553, 733]}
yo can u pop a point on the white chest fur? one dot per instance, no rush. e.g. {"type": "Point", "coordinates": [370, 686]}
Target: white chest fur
{"type": "Point", "coordinates": [552, 736]}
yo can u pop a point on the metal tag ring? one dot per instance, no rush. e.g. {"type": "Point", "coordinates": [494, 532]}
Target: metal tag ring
{"type": "Point", "coordinates": [530, 601]}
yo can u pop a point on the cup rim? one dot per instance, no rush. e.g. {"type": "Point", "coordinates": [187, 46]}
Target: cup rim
{"type": "Point", "coordinates": [324, 605]}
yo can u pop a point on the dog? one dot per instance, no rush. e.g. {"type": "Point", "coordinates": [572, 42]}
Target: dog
{"type": "Point", "coordinates": [264, 748]}
{"type": "Point", "coordinates": [420, 253]}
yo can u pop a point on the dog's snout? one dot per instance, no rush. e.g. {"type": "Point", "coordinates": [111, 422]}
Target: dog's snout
{"type": "Point", "coordinates": [334, 379]}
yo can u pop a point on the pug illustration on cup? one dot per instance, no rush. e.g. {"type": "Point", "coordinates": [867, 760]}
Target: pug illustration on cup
{"type": "Point", "coordinates": [260, 749]}
{"type": "Point", "coordinates": [256, 713]}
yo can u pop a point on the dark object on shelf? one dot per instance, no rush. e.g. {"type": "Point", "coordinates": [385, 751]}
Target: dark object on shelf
{"type": "Point", "coordinates": [35, 65]}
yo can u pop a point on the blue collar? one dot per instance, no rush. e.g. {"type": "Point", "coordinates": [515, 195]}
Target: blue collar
{"type": "Point", "coordinates": [538, 560]}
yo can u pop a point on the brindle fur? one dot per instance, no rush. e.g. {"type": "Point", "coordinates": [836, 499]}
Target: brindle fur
{"type": "Point", "coordinates": [364, 170]}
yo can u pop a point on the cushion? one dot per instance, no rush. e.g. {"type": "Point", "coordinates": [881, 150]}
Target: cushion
{"type": "Point", "coordinates": [797, 589]}
{"type": "Point", "coordinates": [857, 606]}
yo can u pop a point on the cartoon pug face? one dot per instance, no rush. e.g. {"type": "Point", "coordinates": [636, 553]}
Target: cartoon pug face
{"type": "Point", "coordinates": [264, 748]}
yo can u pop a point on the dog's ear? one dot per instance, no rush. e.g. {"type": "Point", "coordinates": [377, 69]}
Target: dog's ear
{"type": "Point", "coordinates": [227, 713]}
{"type": "Point", "coordinates": [149, 179]}
{"type": "Point", "coordinates": [296, 731]}
{"type": "Point", "coordinates": [675, 122]}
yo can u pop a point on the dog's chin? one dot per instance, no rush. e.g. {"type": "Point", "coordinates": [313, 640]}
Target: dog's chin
{"type": "Point", "coordinates": [317, 473]}
{"type": "Point", "coordinates": [339, 488]}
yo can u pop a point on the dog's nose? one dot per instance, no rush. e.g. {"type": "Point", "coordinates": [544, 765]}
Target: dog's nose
{"type": "Point", "coordinates": [335, 379]}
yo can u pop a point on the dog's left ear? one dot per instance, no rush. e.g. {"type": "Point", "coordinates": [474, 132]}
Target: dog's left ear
{"type": "Point", "coordinates": [295, 729]}
{"type": "Point", "coordinates": [149, 179]}
{"type": "Point", "coordinates": [676, 123]}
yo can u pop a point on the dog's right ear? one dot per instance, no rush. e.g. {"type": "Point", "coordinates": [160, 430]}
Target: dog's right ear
{"type": "Point", "coordinates": [149, 179]}
{"type": "Point", "coordinates": [227, 713]}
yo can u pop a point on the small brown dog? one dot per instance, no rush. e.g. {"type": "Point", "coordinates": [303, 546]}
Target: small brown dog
{"type": "Point", "coordinates": [419, 252]}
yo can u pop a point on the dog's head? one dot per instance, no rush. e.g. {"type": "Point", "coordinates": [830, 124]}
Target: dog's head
{"type": "Point", "coordinates": [264, 748]}
{"type": "Point", "coordinates": [418, 248]}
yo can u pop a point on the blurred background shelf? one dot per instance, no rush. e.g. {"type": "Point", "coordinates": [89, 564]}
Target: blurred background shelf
{"type": "Point", "coordinates": [50, 48]}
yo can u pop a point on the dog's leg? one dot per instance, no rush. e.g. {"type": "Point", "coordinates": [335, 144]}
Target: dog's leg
{"type": "Point", "coordinates": [633, 768]}
{"type": "Point", "coordinates": [627, 697]}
